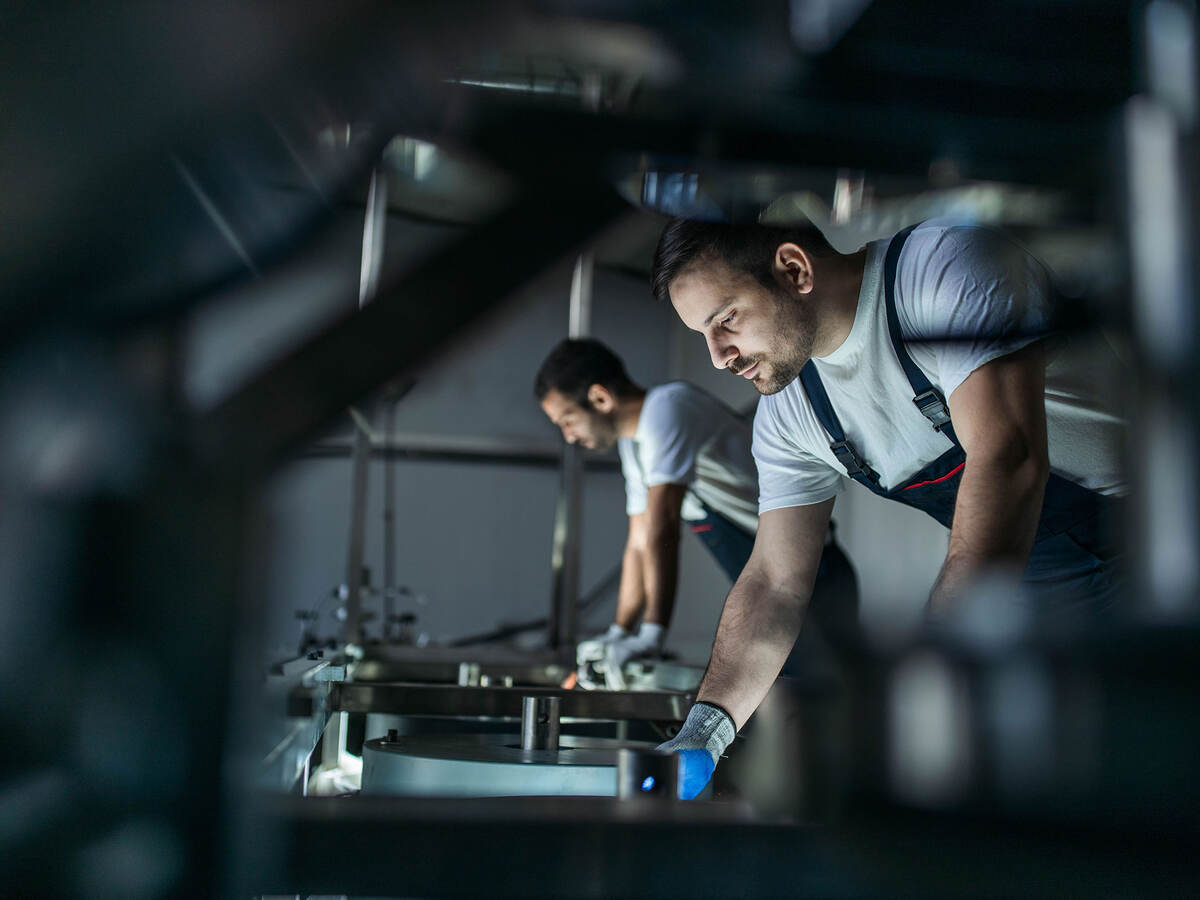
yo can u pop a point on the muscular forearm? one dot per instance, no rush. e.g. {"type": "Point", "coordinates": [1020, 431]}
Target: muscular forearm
{"type": "Point", "coordinates": [995, 520]}
{"type": "Point", "coordinates": [758, 627]}
{"type": "Point", "coordinates": [631, 597]}
{"type": "Point", "coordinates": [660, 572]}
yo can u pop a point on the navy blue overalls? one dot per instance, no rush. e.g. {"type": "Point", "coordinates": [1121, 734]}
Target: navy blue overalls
{"type": "Point", "coordinates": [1074, 563]}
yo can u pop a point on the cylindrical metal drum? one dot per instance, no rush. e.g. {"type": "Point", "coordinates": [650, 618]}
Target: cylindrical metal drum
{"type": "Point", "coordinates": [491, 765]}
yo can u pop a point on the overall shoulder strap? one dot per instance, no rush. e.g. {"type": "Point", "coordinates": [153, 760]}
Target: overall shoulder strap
{"type": "Point", "coordinates": [927, 398]}
{"type": "Point", "coordinates": [856, 466]}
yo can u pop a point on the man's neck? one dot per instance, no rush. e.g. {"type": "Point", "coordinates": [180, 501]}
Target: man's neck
{"type": "Point", "coordinates": [629, 411]}
{"type": "Point", "coordinates": [841, 284]}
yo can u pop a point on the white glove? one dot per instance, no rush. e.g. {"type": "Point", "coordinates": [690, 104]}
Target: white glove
{"type": "Point", "coordinates": [647, 642]}
{"type": "Point", "coordinates": [592, 650]}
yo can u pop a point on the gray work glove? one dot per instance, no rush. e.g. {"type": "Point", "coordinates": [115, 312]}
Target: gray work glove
{"type": "Point", "coordinates": [705, 734]}
{"type": "Point", "coordinates": [590, 653]}
{"type": "Point", "coordinates": [592, 650]}
{"type": "Point", "coordinates": [647, 642]}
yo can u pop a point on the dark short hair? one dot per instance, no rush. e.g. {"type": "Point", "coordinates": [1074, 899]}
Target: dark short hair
{"type": "Point", "coordinates": [575, 364]}
{"type": "Point", "coordinates": [745, 248]}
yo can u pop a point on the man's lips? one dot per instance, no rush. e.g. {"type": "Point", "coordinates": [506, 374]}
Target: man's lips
{"type": "Point", "coordinates": [748, 373]}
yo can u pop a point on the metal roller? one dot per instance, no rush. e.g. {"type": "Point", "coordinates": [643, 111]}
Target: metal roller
{"type": "Point", "coordinates": [491, 765]}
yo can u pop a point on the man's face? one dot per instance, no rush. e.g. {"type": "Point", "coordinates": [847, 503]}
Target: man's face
{"type": "Point", "coordinates": [764, 334]}
{"type": "Point", "coordinates": [592, 429]}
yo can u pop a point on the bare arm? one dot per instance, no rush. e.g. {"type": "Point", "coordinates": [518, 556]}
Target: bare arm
{"type": "Point", "coordinates": [660, 558]}
{"type": "Point", "coordinates": [631, 596]}
{"type": "Point", "coordinates": [765, 608]}
{"type": "Point", "coordinates": [999, 415]}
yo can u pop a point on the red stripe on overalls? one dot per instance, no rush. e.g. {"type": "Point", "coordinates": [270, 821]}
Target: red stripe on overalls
{"type": "Point", "coordinates": [697, 529]}
{"type": "Point", "coordinates": [949, 474]}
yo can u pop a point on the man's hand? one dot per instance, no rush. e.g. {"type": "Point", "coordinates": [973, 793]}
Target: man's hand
{"type": "Point", "coordinates": [647, 642]}
{"type": "Point", "coordinates": [592, 650]}
{"type": "Point", "coordinates": [705, 734]}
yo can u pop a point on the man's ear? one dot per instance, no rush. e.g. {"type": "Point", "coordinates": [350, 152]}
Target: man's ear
{"type": "Point", "coordinates": [794, 267]}
{"type": "Point", "coordinates": [601, 399]}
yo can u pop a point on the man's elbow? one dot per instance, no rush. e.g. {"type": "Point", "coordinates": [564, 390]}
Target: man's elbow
{"type": "Point", "coordinates": [1022, 462]}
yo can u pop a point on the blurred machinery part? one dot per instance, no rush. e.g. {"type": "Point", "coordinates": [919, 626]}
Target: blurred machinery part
{"type": "Point", "coordinates": [160, 153]}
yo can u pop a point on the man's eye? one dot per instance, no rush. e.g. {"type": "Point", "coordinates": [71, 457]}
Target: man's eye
{"type": "Point", "coordinates": [727, 319]}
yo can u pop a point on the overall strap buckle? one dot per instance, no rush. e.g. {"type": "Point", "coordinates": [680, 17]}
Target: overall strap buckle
{"type": "Point", "coordinates": [854, 464]}
{"type": "Point", "coordinates": [933, 407]}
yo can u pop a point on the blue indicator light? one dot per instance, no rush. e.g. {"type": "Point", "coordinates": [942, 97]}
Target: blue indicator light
{"type": "Point", "coordinates": [648, 783]}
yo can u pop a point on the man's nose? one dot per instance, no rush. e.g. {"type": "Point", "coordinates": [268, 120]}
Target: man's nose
{"type": "Point", "coordinates": [722, 354]}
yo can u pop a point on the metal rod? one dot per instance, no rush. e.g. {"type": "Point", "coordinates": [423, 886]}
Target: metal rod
{"type": "Point", "coordinates": [219, 221]}
{"type": "Point", "coordinates": [248, 434]}
{"type": "Point", "coordinates": [1161, 141]}
{"type": "Point", "coordinates": [539, 723]}
{"type": "Point", "coordinates": [374, 228]}
{"type": "Point", "coordinates": [389, 521]}
{"type": "Point", "coordinates": [568, 512]}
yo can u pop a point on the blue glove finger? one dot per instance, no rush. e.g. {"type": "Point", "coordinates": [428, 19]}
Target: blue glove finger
{"type": "Point", "coordinates": [695, 768]}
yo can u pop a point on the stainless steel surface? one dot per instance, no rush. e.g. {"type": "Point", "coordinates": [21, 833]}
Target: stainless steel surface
{"type": "Point", "coordinates": [451, 700]}
{"type": "Point", "coordinates": [539, 723]}
{"type": "Point", "coordinates": [646, 773]}
{"type": "Point", "coordinates": [491, 765]}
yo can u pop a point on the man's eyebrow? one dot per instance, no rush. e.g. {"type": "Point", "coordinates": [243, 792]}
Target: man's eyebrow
{"type": "Point", "coordinates": [725, 301]}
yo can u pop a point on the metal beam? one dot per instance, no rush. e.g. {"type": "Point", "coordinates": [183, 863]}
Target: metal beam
{"type": "Point", "coordinates": [404, 327]}
{"type": "Point", "coordinates": [451, 700]}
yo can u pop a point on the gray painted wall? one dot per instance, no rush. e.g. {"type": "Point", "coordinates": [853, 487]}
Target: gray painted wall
{"type": "Point", "coordinates": [474, 538]}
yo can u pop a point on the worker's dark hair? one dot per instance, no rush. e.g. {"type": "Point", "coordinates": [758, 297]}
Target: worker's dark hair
{"type": "Point", "coordinates": [746, 248]}
{"type": "Point", "coordinates": [575, 365]}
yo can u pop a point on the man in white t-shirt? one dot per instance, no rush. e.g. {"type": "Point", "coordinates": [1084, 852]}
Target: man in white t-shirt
{"type": "Point", "coordinates": [920, 367]}
{"type": "Point", "coordinates": [686, 458]}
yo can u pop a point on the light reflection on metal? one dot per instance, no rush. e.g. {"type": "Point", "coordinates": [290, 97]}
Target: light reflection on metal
{"type": "Point", "coordinates": [219, 220]}
{"type": "Point", "coordinates": [528, 86]}
{"type": "Point", "coordinates": [847, 196]}
{"type": "Point", "coordinates": [817, 25]}
{"type": "Point", "coordinates": [1161, 262]}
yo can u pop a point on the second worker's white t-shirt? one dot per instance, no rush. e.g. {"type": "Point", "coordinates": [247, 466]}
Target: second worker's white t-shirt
{"type": "Point", "coordinates": [687, 436]}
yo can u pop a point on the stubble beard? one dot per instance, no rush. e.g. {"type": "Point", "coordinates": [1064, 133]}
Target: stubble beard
{"type": "Point", "coordinates": [790, 350]}
{"type": "Point", "coordinates": [603, 432]}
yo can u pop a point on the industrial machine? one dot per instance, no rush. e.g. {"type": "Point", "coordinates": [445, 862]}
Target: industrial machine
{"type": "Point", "coordinates": [164, 163]}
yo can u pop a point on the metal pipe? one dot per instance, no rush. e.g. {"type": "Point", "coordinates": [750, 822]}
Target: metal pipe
{"type": "Point", "coordinates": [568, 512]}
{"type": "Point", "coordinates": [1161, 141]}
{"type": "Point", "coordinates": [539, 723]}
{"type": "Point", "coordinates": [374, 228]}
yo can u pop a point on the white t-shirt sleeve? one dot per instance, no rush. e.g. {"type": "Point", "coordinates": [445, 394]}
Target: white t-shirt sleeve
{"type": "Point", "coordinates": [787, 474]}
{"type": "Point", "coordinates": [974, 283]}
{"type": "Point", "coordinates": [669, 440]}
{"type": "Point", "coordinates": [636, 493]}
